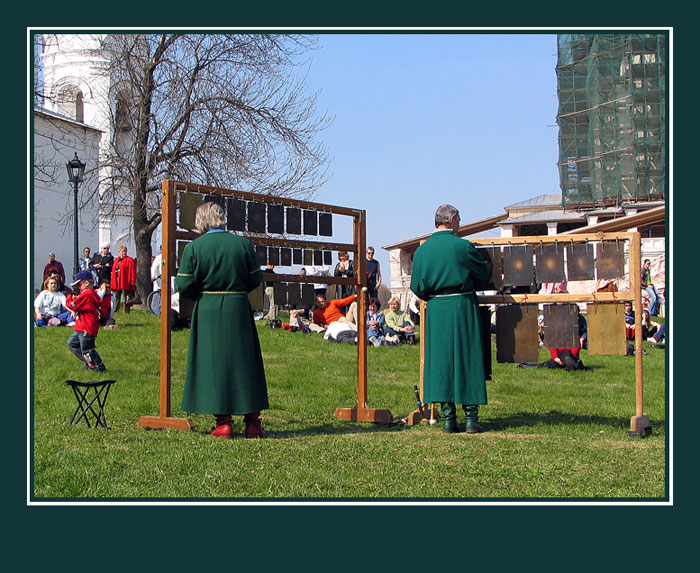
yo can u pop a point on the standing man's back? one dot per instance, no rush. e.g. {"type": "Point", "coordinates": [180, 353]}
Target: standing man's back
{"type": "Point", "coordinates": [445, 270]}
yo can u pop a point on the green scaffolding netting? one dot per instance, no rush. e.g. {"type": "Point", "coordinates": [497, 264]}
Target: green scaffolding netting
{"type": "Point", "coordinates": [611, 117]}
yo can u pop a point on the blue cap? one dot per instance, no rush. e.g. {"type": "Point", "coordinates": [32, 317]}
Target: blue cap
{"type": "Point", "coordinates": [82, 276]}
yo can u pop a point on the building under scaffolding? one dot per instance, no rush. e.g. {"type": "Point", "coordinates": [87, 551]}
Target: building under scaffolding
{"type": "Point", "coordinates": [612, 118]}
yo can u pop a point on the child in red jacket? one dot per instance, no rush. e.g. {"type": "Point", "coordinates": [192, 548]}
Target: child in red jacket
{"type": "Point", "coordinates": [86, 306]}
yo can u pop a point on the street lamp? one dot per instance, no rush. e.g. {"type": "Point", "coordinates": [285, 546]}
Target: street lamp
{"type": "Point", "coordinates": [76, 171]}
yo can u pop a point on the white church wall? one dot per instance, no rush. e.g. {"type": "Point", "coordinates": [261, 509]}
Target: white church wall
{"type": "Point", "coordinates": [55, 143]}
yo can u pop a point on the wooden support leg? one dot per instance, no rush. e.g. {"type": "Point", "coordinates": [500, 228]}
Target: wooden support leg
{"type": "Point", "coordinates": [639, 427]}
{"type": "Point", "coordinates": [364, 415]}
{"type": "Point", "coordinates": [160, 423]}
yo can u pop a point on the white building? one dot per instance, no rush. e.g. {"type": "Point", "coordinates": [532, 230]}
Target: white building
{"type": "Point", "coordinates": [77, 110]}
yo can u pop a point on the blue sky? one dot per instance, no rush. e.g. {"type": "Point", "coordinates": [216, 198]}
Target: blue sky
{"type": "Point", "coordinates": [425, 119]}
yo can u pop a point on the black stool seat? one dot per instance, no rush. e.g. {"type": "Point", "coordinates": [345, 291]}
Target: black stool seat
{"type": "Point", "coordinates": [86, 399]}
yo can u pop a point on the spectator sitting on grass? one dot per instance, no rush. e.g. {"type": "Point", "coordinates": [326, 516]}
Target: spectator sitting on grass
{"type": "Point", "coordinates": [375, 322]}
{"type": "Point", "coordinates": [50, 306]}
{"type": "Point", "coordinates": [328, 312]}
{"type": "Point", "coordinates": [398, 323]}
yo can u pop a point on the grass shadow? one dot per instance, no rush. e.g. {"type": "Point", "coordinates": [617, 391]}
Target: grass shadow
{"type": "Point", "coordinates": [558, 418]}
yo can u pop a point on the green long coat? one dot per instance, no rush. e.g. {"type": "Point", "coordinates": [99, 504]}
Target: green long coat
{"type": "Point", "coordinates": [225, 373]}
{"type": "Point", "coordinates": [445, 269]}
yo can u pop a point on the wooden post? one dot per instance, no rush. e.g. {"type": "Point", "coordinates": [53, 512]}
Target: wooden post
{"type": "Point", "coordinates": [168, 270]}
{"type": "Point", "coordinates": [639, 424]}
{"type": "Point", "coordinates": [361, 242]}
{"type": "Point", "coordinates": [361, 413]}
{"type": "Point", "coordinates": [417, 415]}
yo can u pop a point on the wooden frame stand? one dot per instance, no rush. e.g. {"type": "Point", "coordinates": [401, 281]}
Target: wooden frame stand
{"type": "Point", "coordinates": [360, 413]}
{"type": "Point", "coordinates": [639, 424]}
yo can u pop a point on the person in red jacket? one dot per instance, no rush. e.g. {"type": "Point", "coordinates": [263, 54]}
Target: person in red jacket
{"type": "Point", "coordinates": [85, 303]}
{"type": "Point", "coordinates": [123, 280]}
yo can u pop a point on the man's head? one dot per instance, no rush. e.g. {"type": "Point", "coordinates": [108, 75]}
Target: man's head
{"type": "Point", "coordinates": [52, 257]}
{"type": "Point", "coordinates": [647, 263]}
{"type": "Point", "coordinates": [104, 249]}
{"type": "Point", "coordinates": [628, 306]}
{"type": "Point", "coordinates": [370, 253]}
{"type": "Point", "coordinates": [82, 280]}
{"type": "Point", "coordinates": [321, 301]}
{"type": "Point", "coordinates": [86, 252]}
{"type": "Point", "coordinates": [447, 216]}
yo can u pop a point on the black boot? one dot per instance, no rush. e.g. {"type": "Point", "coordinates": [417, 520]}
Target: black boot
{"type": "Point", "coordinates": [448, 413]}
{"type": "Point", "coordinates": [471, 413]}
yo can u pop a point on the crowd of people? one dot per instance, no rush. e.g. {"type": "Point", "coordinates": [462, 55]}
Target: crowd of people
{"type": "Point", "coordinates": [219, 269]}
{"type": "Point", "coordinates": [113, 279]}
{"type": "Point", "coordinates": [336, 317]}
{"type": "Point", "coordinates": [89, 301]}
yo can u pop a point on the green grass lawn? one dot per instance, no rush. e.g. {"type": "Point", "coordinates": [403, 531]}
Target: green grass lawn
{"type": "Point", "coordinates": [550, 434]}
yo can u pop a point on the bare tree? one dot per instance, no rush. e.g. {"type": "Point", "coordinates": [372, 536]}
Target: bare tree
{"type": "Point", "coordinates": [228, 110]}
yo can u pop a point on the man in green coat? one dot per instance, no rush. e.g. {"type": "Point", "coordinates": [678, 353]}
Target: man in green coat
{"type": "Point", "coordinates": [225, 373]}
{"type": "Point", "coordinates": [445, 270]}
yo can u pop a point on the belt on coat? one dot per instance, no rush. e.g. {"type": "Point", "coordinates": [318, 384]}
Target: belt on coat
{"type": "Point", "coordinates": [468, 293]}
{"type": "Point", "coordinates": [224, 292]}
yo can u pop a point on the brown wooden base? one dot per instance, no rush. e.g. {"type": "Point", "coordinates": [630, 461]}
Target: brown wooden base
{"type": "Point", "coordinates": [639, 427]}
{"type": "Point", "coordinates": [364, 415]}
{"type": "Point", "coordinates": [418, 416]}
{"type": "Point", "coordinates": [158, 423]}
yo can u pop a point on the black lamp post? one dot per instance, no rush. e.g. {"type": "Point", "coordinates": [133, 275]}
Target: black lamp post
{"type": "Point", "coordinates": [76, 171]}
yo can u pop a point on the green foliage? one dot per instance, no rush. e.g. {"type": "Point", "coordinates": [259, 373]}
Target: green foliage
{"type": "Point", "coordinates": [550, 434]}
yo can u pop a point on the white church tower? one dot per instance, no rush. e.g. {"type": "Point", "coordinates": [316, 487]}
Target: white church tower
{"type": "Point", "coordinates": [82, 109]}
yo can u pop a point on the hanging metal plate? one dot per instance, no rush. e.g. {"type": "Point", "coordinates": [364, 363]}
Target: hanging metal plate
{"type": "Point", "coordinates": [606, 329]}
{"type": "Point", "coordinates": [275, 219]}
{"type": "Point", "coordinates": [325, 224]}
{"type": "Point", "coordinates": [549, 267]}
{"type": "Point", "coordinates": [261, 251]}
{"type": "Point", "coordinates": [560, 325]}
{"type": "Point", "coordinates": [308, 295]}
{"type": "Point", "coordinates": [188, 205]}
{"type": "Point", "coordinates": [256, 217]}
{"type": "Point", "coordinates": [517, 266]}
{"type": "Point", "coordinates": [494, 255]}
{"type": "Point", "coordinates": [293, 221]}
{"type": "Point", "coordinates": [610, 260]}
{"type": "Point", "coordinates": [280, 290]}
{"type": "Point", "coordinates": [310, 219]}
{"type": "Point", "coordinates": [286, 257]}
{"type": "Point", "coordinates": [516, 333]}
{"type": "Point", "coordinates": [294, 294]}
{"type": "Point", "coordinates": [235, 214]}
{"type": "Point", "coordinates": [485, 317]}
{"type": "Point", "coordinates": [256, 297]}
{"type": "Point", "coordinates": [579, 262]}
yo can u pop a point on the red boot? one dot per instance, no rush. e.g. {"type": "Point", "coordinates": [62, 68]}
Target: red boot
{"type": "Point", "coordinates": [223, 427]}
{"type": "Point", "coordinates": [253, 426]}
